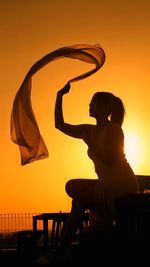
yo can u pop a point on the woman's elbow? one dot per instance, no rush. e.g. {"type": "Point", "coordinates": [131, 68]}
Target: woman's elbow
{"type": "Point", "coordinates": [58, 126]}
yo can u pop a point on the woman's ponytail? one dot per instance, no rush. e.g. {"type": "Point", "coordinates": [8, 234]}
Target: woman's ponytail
{"type": "Point", "coordinates": [117, 111]}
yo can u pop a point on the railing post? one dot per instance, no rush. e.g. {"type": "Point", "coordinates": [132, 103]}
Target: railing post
{"type": "Point", "coordinates": [45, 227]}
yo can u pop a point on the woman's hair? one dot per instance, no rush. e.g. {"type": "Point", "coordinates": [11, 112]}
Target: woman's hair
{"type": "Point", "coordinates": [117, 110]}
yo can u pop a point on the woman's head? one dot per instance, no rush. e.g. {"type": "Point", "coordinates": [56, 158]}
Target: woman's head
{"type": "Point", "coordinates": [105, 104]}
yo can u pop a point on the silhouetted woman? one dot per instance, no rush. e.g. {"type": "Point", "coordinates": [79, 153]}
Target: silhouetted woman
{"type": "Point", "coordinates": [105, 142]}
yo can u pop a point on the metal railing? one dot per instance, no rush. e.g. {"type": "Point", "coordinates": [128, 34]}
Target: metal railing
{"type": "Point", "coordinates": [16, 229]}
{"type": "Point", "coordinates": [11, 224]}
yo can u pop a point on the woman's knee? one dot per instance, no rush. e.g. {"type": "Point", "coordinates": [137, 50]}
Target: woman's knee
{"type": "Point", "coordinates": [74, 187]}
{"type": "Point", "coordinates": [69, 187]}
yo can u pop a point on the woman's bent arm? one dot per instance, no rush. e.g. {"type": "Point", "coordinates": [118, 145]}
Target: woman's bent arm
{"type": "Point", "coordinates": [77, 131]}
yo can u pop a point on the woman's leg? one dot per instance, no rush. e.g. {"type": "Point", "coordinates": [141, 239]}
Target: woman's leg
{"type": "Point", "coordinates": [80, 203]}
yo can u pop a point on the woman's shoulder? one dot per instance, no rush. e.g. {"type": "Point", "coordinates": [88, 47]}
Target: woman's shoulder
{"type": "Point", "coordinates": [88, 130]}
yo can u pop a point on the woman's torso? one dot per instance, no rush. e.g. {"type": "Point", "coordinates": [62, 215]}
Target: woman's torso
{"type": "Point", "coordinates": [118, 174]}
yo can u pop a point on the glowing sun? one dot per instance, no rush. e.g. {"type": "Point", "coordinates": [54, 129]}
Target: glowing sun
{"type": "Point", "coordinates": [132, 148]}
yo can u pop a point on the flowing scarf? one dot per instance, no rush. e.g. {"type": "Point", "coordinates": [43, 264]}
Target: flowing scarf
{"type": "Point", "coordinates": [23, 126]}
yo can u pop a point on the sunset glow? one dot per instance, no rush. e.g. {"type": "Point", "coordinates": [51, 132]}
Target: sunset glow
{"type": "Point", "coordinates": [32, 29]}
{"type": "Point", "coordinates": [132, 148]}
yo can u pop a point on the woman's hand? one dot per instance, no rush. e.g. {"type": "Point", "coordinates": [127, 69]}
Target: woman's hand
{"type": "Point", "coordinates": [64, 90]}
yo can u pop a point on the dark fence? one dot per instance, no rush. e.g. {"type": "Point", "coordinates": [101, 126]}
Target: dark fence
{"type": "Point", "coordinates": [11, 224]}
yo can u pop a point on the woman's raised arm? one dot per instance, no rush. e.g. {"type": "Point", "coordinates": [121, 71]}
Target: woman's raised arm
{"type": "Point", "coordinates": [77, 131]}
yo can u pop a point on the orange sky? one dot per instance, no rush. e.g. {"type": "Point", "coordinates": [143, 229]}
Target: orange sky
{"type": "Point", "coordinates": [31, 29]}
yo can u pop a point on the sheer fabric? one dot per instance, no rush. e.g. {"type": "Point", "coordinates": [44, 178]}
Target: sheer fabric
{"type": "Point", "coordinates": [23, 126]}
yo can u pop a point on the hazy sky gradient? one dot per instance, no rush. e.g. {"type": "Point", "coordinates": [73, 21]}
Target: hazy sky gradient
{"type": "Point", "coordinates": [30, 29]}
